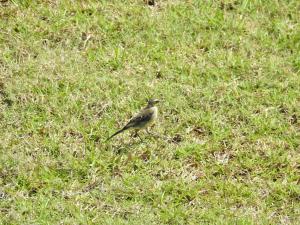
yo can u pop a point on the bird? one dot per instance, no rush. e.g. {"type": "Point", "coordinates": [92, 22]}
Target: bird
{"type": "Point", "coordinates": [142, 120]}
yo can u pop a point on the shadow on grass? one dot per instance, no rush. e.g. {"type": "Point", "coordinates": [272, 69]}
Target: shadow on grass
{"type": "Point", "coordinates": [124, 147]}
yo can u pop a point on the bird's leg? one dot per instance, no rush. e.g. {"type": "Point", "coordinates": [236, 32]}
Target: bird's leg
{"type": "Point", "coordinates": [132, 135]}
{"type": "Point", "coordinates": [138, 136]}
{"type": "Point", "coordinates": [135, 134]}
{"type": "Point", "coordinates": [148, 132]}
{"type": "Point", "coordinates": [152, 134]}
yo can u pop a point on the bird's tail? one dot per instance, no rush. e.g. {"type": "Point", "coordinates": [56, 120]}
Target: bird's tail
{"type": "Point", "coordinates": [119, 131]}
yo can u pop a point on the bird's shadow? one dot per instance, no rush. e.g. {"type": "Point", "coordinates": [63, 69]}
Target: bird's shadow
{"type": "Point", "coordinates": [121, 148]}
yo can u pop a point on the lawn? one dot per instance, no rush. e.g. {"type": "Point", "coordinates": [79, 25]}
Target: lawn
{"type": "Point", "coordinates": [227, 74]}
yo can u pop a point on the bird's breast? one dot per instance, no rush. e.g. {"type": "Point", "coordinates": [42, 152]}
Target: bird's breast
{"type": "Point", "coordinates": [155, 112]}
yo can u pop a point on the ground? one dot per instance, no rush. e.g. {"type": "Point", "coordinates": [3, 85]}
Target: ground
{"type": "Point", "coordinates": [73, 72]}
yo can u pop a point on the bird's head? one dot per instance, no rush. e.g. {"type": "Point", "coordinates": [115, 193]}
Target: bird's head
{"type": "Point", "coordinates": [152, 102]}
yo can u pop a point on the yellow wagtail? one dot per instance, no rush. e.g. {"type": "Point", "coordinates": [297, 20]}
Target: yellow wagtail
{"type": "Point", "coordinates": [143, 119]}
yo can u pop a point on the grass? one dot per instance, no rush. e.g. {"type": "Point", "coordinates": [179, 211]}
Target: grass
{"type": "Point", "coordinates": [73, 72]}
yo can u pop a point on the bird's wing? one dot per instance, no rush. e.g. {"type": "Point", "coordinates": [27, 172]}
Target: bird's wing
{"type": "Point", "coordinates": [143, 117]}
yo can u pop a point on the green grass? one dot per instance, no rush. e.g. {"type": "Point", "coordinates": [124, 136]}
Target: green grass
{"type": "Point", "coordinates": [72, 73]}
